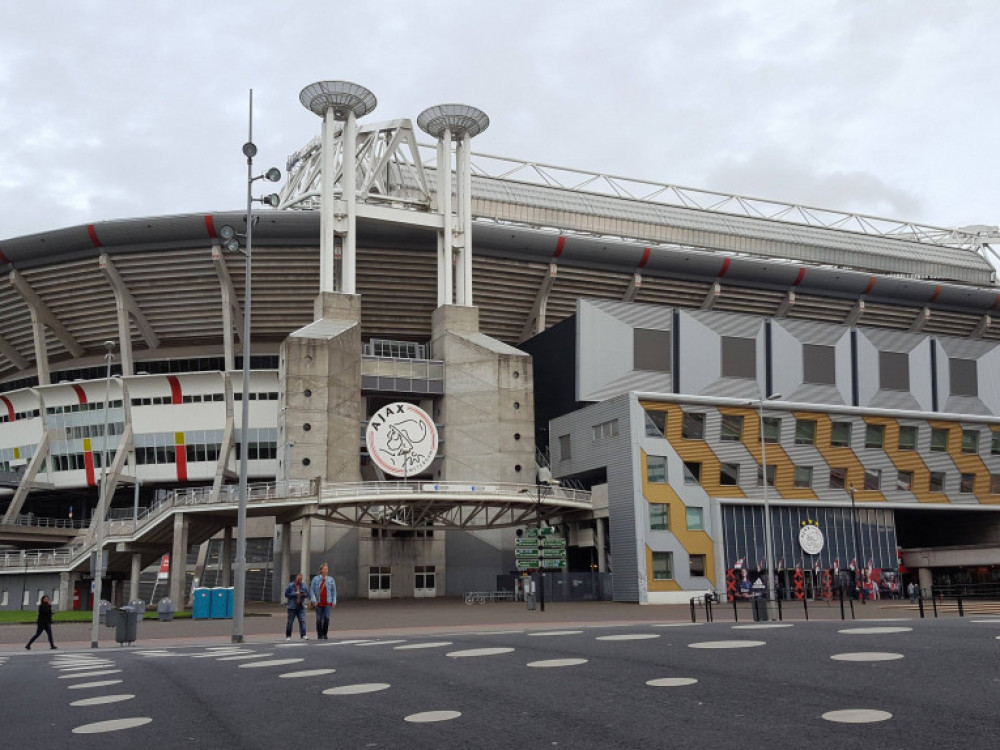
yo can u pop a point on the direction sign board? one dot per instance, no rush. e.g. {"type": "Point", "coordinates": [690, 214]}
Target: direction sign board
{"type": "Point", "coordinates": [520, 553]}
{"type": "Point", "coordinates": [526, 564]}
{"type": "Point", "coordinates": [549, 564]}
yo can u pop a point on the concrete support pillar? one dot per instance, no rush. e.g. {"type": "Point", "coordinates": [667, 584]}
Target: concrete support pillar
{"type": "Point", "coordinates": [286, 555]}
{"type": "Point", "coordinates": [925, 580]}
{"type": "Point", "coordinates": [305, 553]}
{"type": "Point", "coordinates": [178, 560]}
{"type": "Point", "coordinates": [349, 187]}
{"type": "Point", "coordinates": [446, 253]}
{"type": "Point", "coordinates": [226, 557]}
{"type": "Point", "coordinates": [65, 592]}
{"type": "Point", "coordinates": [602, 565]}
{"type": "Point", "coordinates": [327, 223]}
{"type": "Point", "coordinates": [133, 588]}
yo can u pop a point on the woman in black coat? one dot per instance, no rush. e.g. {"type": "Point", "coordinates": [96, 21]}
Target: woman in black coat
{"type": "Point", "coordinates": [44, 622]}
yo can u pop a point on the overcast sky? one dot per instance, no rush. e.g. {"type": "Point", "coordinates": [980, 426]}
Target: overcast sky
{"type": "Point", "coordinates": [128, 109]}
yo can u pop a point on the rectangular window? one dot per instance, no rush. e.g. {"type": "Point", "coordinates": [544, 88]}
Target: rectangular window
{"type": "Point", "coordinates": [565, 448]}
{"type": "Point", "coordinates": [770, 476]}
{"type": "Point", "coordinates": [995, 442]}
{"type": "Point", "coordinates": [803, 476]}
{"type": "Point", "coordinates": [904, 480]}
{"type": "Point", "coordinates": [819, 364]}
{"type": "Point", "coordinates": [651, 350]}
{"type": "Point", "coordinates": [729, 475]}
{"type": "Point", "coordinates": [423, 577]}
{"type": "Point", "coordinates": [967, 484]}
{"type": "Point", "coordinates": [805, 432]}
{"type": "Point", "coordinates": [874, 435]}
{"type": "Point", "coordinates": [772, 429]}
{"type": "Point", "coordinates": [663, 566]}
{"type": "Point", "coordinates": [693, 426]}
{"type": "Point", "coordinates": [894, 371]}
{"type": "Point", "coordinates": [937, 481]}
{"type": "Point", "coordinates": [840, 435]}
{"type": "Point", "coordinates": [995, 484]}
{"type": "Point", "coordinates": [970, 441]}
{"type": "Point", "coordinates": [732, 428]}
{"type": "Point", "coordinates": [697, 565]}
{"type": "Point", "coordinates": [380, 578]}
{"type": "Point", "coordinates": [964, 377]}
{"type": "Point", "coordinates": [606, 429]}
{"type": "Point", "coordinates": [692, 472]}
{"type": "Point", "coordinates": [939, 439]}
{"type": "Point", "coordinates": [695, 519]}
{"type": "Point", "coordinates": [659, 516]}
{"type": "Point", "coordinates": [656, 469]}
{"type": "Point", "coordinates": [739, 357]}
{"type": "Point", "coordinates": [907, 438]}
{"type": "Point", "coordinates": [873, 479]}
{"type": "Point", "coordinates": [656, 423]}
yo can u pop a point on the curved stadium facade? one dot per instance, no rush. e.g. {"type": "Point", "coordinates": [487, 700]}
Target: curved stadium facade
{"type": "Point", "coordinates": [623, 335]}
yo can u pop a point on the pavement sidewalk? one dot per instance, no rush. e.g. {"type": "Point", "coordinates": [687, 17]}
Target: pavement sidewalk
{"type": "Point", "coordinates": [265, 622]}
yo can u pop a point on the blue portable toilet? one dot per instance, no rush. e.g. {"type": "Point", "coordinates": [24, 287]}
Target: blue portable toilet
{"type": "Point", "coordinates": [230, 598]}
{"type": "Point", "coordinates": [221, 609]}
{"type": "Point", "coordinates": [201, 603]}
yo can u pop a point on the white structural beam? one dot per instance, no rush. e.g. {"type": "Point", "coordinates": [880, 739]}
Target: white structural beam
{"type": "Point", "coordinates": [536, 318]}
{"type": "Point", "coordinates": [35, 464]}
{"type": "Point", "coordinates": [920, 320]}
{"type": "Point", "coordinates": [712, 296]}
{"type": "Point", "coordinates": [982, 327]}
{"type": "Point", "coordinates": [786, 305]}
{"type": "Point", "coordinates": [127, 305]}
{"type": "Point", "coordinates": [13, 356]}
{"type": "Point", "coordinates": [634, 287]}
{"type": "Point", "coordinates": [856, 312]}
{"type": "Point", "coordinates": [41, 317]}
{"type": "Point", "coordinates": [232, 314]}
{"type": "Point", "coordinates": [446, 240]}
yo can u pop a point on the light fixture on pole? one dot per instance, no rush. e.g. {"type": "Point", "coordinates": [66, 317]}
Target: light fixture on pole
{"type": "Point", "coordinates": [230, 242]}
{"type": "Point", "coordinates": [101, 511]}
{"type": "Point", "coordinates": [772, 604]}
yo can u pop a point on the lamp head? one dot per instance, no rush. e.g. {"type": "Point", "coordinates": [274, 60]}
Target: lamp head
{"type": "Point", "coordinates": [272, 200]}
{"type": "Point", "coordinates": [273, 174]}
{"type": "Point", "coordinates": [231, 245]}
{"type": "Point", "coordinates": [249, 150]}
{"type": "Point", "coordinates": [227, 233]}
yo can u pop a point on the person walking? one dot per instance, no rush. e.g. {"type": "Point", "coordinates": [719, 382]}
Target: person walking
{"type": "Point", "coordinates": [44, 623]}
{"type": "Point", "coordinates": [323, 594]}
{"type": "Point", "coordinates": [911, 589]}
{"type": "Point", "coordinates": [297, 595]}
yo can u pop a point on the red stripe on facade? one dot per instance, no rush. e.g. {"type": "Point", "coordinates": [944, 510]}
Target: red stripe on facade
{"type": "Point", "coordinates": [725, 267]}
{"type": "Point", "coordinates": [10, 407]}
{"type": "Point", "coordinates": [996, 302]}
{"type": "Point", "coordinates": [798, 279]}
{"type": "Point", "coordinates": [871, 285]}
{"type": "Point", "coordinates": [937, 292]}
{"type": "Point", "coordinates": [210, 226]}
{"type": "Point", "coordinates": [88, 463]}
{"type": "Point", "coordinates": [560, 244]}
{"type": "Point", "coordinates": [645, 258]}
{"type": "Point", "coordinates": [81, 395]}
{"type": "Point", "coordinates": [180, 454]}
{"type": "Point", "coordinates": [3, 258]}
{"type": "Point", "coordinates": [175, 389]}
{"type": "Point", "coordinates": [93, 235]}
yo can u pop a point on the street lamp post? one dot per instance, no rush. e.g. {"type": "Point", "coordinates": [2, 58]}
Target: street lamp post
{"type": "Point", "coordinates": [101, 511]}
{"type": "Point", "coordinates": [854, 526]}
{"type": "Point", "coordinates": [231, 243]}
{"type": "Point", "coordinates": [772, 604]}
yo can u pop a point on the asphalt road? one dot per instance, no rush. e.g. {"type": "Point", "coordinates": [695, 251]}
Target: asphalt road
{"type": "Point", "coordinates": [906, 684]}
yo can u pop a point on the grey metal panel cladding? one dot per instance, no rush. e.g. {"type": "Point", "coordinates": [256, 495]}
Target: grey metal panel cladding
{"type": "Point", "coordinates": [635, 314]}
{"type": "Point", "coordinates": [788, 338]}
{"type": "Point", "coordinates": [916, 346]}
{"type": "Point", "coordinates": [729, 324]}
{"type": "Point", "coordinates": [813, 332]}
{"type": "Point", "coordinates": [615, 454]}
{"type": "Point", "coordinates": [637, 380]}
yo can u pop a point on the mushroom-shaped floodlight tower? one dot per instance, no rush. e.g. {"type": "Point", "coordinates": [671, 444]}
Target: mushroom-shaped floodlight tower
{"type": "Point", "coordinates": [454, 123]}
{"type": "Point", "coordinates": [338, 102]}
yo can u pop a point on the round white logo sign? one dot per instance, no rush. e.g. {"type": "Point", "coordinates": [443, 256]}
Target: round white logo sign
{"type": "Point", "coordinates": [811, 539]}
{"type": "Point", "coordinates": [402, 439]}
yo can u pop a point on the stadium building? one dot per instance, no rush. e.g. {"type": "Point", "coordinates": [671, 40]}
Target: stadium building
{"type": "Point", "coordinates": [648, 369]}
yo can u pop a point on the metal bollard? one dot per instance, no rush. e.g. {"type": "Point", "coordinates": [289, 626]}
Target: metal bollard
{"type": "Point", "coordinates": [805, 606]}
{"type": "Point", "coordinates": [961, 610]}
{"type": "Point", "coordinates": [920, 603]}
{"type": "Point", "coordinates": [842, 604]}
{"type": "Point", "coordinates": [934, 604]}
{"type": "Point", "coordinates": [852, 609]}
{"type": "Point", "coordinates": [778, 599]}
{"type": "Point", "coordinates": [736, 616]}
{"type": "Point", "coordinates": [694, 612]}
{"type": "Point", "coordinates": [708, 608]}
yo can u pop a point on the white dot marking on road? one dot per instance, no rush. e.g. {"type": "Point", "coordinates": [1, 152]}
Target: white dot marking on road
{"type": "Point", "coordinates": [867, 656]}
{"type": "Point", "coordinates": [291, 645]}
{"type": "Point", "coordinates": [764, 626]}
{"type": "Point", "coordinates": [366, 687]}
{"type": "Point", "coordinates": [479, 652]}
{"type": "Point", "coordinates": [99, 683]}
{"type": "Point", "coordinates": [671, 682]}
{"type": "Point", "coordinates": [113, 725]}
{"type": "Point", "coordinates": [269, 663]}
{"type": "Point", "coordinates": [429, 644]}
{"type": "Point", "coordinates": [98, 673]}
{"type": "Point", "coordinates": [381, 643]}
{"type": "Point", "coordinates": [628, 637]}
{"type": "Point", "coordinates": [556, 632]}
{"type": "Point", "coordinates": [727, 644]}
{"type": "Point", "coordinates": [428, 716]}
{"type": "Point", "coordinates": [873, 631]}
{"type": "Point", "coordinates": [84, 667]}
{"type": "Point", "coordinates": [546, 663]}
{"type": "Point", "coordinates": [675, 624]}
{"type": "Point", "coordinates": [238, 657]}
{"type": "Point", "coordinates": [307, 673]}
{"type": "Point", "coordinates": [857, 716]}
{"type": "Point", "coordinates": [103, 699]}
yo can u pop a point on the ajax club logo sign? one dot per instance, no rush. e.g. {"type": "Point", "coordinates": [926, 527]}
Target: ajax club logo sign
{"type": "Point", "coordinates": [402, 439]}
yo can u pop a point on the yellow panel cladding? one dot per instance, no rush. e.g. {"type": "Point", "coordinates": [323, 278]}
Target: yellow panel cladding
{"type": "Point", "coordinates": [968, 463]}
{"type": "Point", "coordinates": [903, 461]}
{"type": "Point", "coordinates": [694, 542]}
{"type": "Point", "coordinates": [784, 467]}
{"type": "Point", "coordinates": [841, 457]}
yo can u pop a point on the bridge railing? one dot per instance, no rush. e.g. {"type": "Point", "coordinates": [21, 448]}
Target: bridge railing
{"type": "Point", "coordinates": [29, 519]}
{"type": "Point", "coordinates": [529, 492]}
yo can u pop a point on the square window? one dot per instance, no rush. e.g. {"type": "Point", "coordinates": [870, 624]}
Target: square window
{"type": "Point", "coordinates": [838, 479]}
{"type": "Point", "coordinates": [964, 377]}
{"type": "Point", "coordinates": [565, 449]}
{"type": "Point", "coordinates": [656, 469]}
{"type": "Point", "coordinates": [970, 441]}
{"type": "Point", "coordinates": [656, 423]}
{"type": "Point", "coordinates": [819, 364]}
{"type": "Point", "coordinates": [937, 481]}
{"type": "Point", "coordinates": [894, 371]}
{"type": "Point", "coordinates": [904, 480]}
{"type": "Point", "coordinates": [729, 475]}
{"type": "Point", "coordinates": [697, 565]}
{"type": "Point", "coordinates": [873, 479]}
{"type": "Point", "coordinates": [663, 566]}
{"type": "Point", "coordinates": [803, 476]}
{"type": "Point", "coordinates": [693, 426]}
{"type": "Point", "coordinates": [874, 435]}
{"type": "Point", "coordinates": [995, 442]}
{"type": "Point", "coordinates": [805, 431]}
{"type": "Point", "coordinates": [772, 429]}
{"type": "Point", "coordinates": [907, 438]}
{"type": "Point", "coordinates": [692, 472]}
{"type": "Point", "coordinates": [732, 428]}
{"type": "Point", "coordinates": [840, 435]}
{"type": "Point", "coordinates": [967, 484]}
{"type": "Point", "coordinates": [939, 439]}
{"type": "Point", "coordinates": [770, 475]}
{"type": "Point", "coordinates": [995, 484]}
{"type": "Point", "coordinates": [695, 519]}
{"type": "Point", "coordinates": [659, 516]}
{"type": "Point", "coordinates": [651, 350]}
{"type": "Point", "coordinates": [739, 357]}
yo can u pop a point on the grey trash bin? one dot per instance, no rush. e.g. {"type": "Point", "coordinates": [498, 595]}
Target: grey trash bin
{"type": "Point", "coordinates": [759, 609]}
{"type": "Point", "coordinates": [165, 610]}
{"type": "Point", "coordinates": [126, 624]}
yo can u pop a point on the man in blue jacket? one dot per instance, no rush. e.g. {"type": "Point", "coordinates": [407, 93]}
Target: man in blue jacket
{"type": "Point", "coordinates": [323, 593]}
{"type": "Point", "coordinates": [297, 595]}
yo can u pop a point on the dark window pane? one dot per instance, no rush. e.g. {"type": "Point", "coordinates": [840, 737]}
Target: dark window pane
{"type": "Point", "coordinates": [651, 350]}
{"type": "Point", "coordinates": [805, 432]}
{"type": "Point", "coordinates": [874, 435]}
{"type": "Point", "coordinates": [729, 475]}
{"type": "Point", "coordinates": [819, 364]}
{"type": "Point", "coordinates": [967, 483]}
{"type": "Point", "coordinates": [739, 357]}
{"type": "Point", "coordinates": [693, 426]}
{"type": "Point", "coordinates": [732, 427]}
{"type": "Point", "coordinates": [939, 439]}
{"type": "Point", "coordinates": [970, 441]}
{"type": "Point", "coordinates": [840, 435]}
{"type": "Point", "coordinates": [907, 438]}
{"type": "Point", "coordinates": [964, 377]}
{"type": "Point", "coordinates": [894, 371]}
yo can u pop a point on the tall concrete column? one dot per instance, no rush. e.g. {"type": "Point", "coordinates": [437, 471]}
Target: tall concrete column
{"type": "Point", "coordinates": [925, 579]}
{"type": "Point", "coordinates": [601, 563]}
{"type": "Point", "coordinates": [178, 560]}
{"type": "Point", "coordinates": [305, 554]}
{"type": "Point", "coordinates": [65, 591]}
{"type": "Point", "coordinates": [286, 555]}
{"type": "Point", "coordinates": [133, 587]}
{"type": "Point", "coordinates": [226, 557]}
